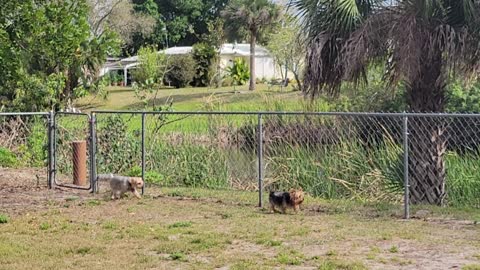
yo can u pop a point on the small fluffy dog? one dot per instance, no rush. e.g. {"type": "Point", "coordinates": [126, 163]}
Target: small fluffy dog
{"type": "Point", "coordinates": [121, 184]}
{"type": "Point", "coordinates": [282, 200]}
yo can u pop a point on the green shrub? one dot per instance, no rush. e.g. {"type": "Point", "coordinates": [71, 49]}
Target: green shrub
{"type": "Point", "coordinates": [7, 158]}
{"type": "Point", "coordinates": [180, 70]}
{"type": "Point", "coordinates": [204, 56]}
{"type": "Point", "coordinates": [154, 177]}
{"type": "Point", "coordinates": [135, 171]}
{"type": "Point", "coordinates": [37, 146]}
{"type": "Point", "coordinates": [239, 72]}
{"type": "Point", "coordinates": [152, 66]}
{"type": "Point", "coordinates": [118, 149]}
{"type": "Point", "coordinates": [463, 98]}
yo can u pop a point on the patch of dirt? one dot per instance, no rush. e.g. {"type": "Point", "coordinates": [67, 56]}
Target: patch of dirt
{"type": "Point", "coordinates": [26, 190]}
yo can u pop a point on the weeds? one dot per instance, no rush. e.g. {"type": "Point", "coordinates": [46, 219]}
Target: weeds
{"type": "Point", "coordinates": [3, 219]}
{"type": "Point", "coordinates": [181, 224]}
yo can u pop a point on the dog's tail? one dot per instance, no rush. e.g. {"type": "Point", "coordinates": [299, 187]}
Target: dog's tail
{"type": "Point", "coordinates": [104, 177]}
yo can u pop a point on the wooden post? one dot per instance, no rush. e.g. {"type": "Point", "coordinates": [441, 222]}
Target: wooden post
{"type": "Point", "coordinates": [79, 163]}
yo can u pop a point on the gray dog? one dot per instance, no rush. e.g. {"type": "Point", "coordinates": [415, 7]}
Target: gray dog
{"type": "Point", "coordinates": [121, 184]}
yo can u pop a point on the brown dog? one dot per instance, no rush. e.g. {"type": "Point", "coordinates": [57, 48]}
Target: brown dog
{"type": "Point", "coordinates": [121, 184]}
{"type": "Point", "coordinates": [283, 200]}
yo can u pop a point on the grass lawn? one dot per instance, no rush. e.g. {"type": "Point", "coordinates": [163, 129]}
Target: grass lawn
{"type": "Point", "coordinates": [181, 228]}
{"type": "Point", "coordinates": [200, 99]}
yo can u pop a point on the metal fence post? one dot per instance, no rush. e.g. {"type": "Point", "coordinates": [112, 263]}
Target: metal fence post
{"type": "Point", "coordinates": [260, 161]}
{"type": "Point", "coordinates": [143, 151]}
{"type": "Point", "coordinates": [93, 150]}
{"type": "Point", "coordinates": [50, 131]}
{"type": "Point", "coordinates": [405, 168]}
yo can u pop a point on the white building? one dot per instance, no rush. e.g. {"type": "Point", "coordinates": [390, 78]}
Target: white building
{"type": "Point", "coordinates": [265, 66]}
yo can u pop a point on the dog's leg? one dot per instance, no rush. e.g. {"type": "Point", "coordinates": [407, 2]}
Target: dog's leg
{"type": "Point", "coordinates": [113, 195]}
{"type": "Point", "coordinates": [284, 207]}
{"type": "Point", "coordinates": [272, 208]}
{"type": "Point", "coordinates": [135, 192]}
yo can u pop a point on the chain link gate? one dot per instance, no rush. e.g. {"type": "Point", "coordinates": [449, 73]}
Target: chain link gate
{"type": "Point", "coordinates": [72, 142]}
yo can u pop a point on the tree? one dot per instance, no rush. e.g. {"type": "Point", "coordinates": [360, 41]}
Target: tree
{"type": "Point", "coordinates": [288, 49]}
{"type": "Point", "coordinates": [149, 75]}
{"type": "Point", "coordinates": [51, 46]}
{"type": "Point", "coordinates": [181, 70]}
{"type": "Point", "coordinates": [253, 18]}
{"type": "Point", "coordinates": [205, 57]}
{"type": "Point", "coordinates": [178, 22]}
{"type": "Point", "coordinates": [420, 43]}
{"type": "Point", "coordinates": [118, 16]}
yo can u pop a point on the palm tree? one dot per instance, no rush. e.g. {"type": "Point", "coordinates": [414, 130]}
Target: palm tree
{"type": "Point", "coordinates": [420, 42]}
{"type": "Point", "coordinates": [251, 18]}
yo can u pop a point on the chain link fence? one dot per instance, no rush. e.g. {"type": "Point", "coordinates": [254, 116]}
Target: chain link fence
{"type": "Point", "coordinates": [118, 144]}
{"type": "Point", "coordinates": [370, 157]}
{"type": "Point", "coordinates": [24, 144]}
{"type": "Point", "coordinates": [357, 156]}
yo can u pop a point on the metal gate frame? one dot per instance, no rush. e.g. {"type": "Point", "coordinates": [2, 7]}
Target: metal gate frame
{"type": "Point", "coordinates": [52, 159]}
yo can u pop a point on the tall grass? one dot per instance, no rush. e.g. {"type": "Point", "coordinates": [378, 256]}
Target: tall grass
{"type": "Point", "coordinates": [346, 168]}
{"type": "Point", "coordinates": [463, 180]}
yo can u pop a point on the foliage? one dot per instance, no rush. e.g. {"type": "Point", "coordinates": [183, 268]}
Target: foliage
{"type": "Point", "coordinates": [345, 40]}
{"type": "Point", "coordinates": [44, 43]}
{"type": "Point", "coordinates": [419, 43]}
{"type": "Point", "coordinates": [120, 17]}
{"type": "Point", "coordinates": [205, 57]}
{"type": "Point", "coordinates": [238, 72]}
{"type": "Point", "coordinates": [37, 92]}
{"type": "Point", "coordinates": [7, 158]}
{"type": "Point", "coordinates": [253, 19]}
{"type": "Point", "coordinates": [178, 22]}
{"type": "Point", "coordinates": [151, 66]}
{"type": "Point", "coordinates": [117, 148]}
{"type": "Point", "coordinates": [215, 35]}
{"type": "Point", "coordinates": [463, 98]}
{"type": "Point", "coordinates": [3, 219]}
{"type": "Point", "coordinates": [247, 18]}
{"type": "Point", "coordinates": [35, 153]}
{"type": "Point", "coordinates": [181, 70]}
{"type": "Point", "coordinates": [288, 49]}
{"type": "Point", "coordinates": [149, 74]}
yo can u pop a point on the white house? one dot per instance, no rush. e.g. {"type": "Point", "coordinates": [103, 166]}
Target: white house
{"type": "Point", "coordinates": [265, 66]}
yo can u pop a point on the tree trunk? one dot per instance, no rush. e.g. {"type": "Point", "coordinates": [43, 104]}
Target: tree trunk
{"type": "Point", "coordinates": [297, 78]}
{"type": "Point", "coordinates": [70, 84]}
{"type": "Point", "coordinates": [253, 37]}
{"type": "Point", "coordinates": [427, 135]}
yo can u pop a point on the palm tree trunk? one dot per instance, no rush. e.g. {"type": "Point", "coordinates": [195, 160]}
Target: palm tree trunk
{"type": "Point", "coordinates": [427, 139]}
{"type": "Point", "coordinates": [253, 38]}
{"type": "Point", "coordinates": [427, 148]}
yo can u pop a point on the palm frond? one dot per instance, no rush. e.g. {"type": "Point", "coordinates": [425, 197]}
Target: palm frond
{"type": "Point", "coordinates": [329, 24]}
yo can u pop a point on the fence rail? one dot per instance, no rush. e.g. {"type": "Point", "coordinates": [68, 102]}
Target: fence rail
{"type": "Point", "coordinates": [395, 157]}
